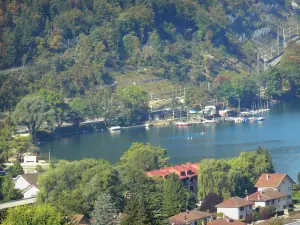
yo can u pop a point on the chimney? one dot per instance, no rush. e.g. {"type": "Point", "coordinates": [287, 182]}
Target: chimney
{"type": "Point", "coordinates": [267, 177]}
{"type": "Point", "coordinates": [247, 197]}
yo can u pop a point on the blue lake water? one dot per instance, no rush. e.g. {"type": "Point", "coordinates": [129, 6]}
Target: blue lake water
{"type": "Point", "coordinates": [279, 133]}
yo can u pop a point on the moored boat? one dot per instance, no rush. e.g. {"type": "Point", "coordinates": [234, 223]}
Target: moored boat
{"type": "Point", "coordinates": [115, 128]}
{"type": "Point", "coordinates": [182, 124]}
{"type": "Point", "coordinates": [260, 118]}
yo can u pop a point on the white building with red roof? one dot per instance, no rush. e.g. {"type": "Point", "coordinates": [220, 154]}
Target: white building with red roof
{"type": "Point", "coordinates": [226, 221]}
{"type": "Point", "coordinates": [269, 197]}
{"type": "Point", "coordinates": [279, 182]}
{"type": "Point", "coordinates": [235, 208]}
{"type": "Point", "coordinates": [188, 174]}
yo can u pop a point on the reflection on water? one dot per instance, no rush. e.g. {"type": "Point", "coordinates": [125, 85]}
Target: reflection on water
{"type": "Point", "coordinates": [279, 133]}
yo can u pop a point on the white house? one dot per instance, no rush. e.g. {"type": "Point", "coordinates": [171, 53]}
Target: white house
{"type": "Point", "coordinates": [279, 182]}
{"type": "Point", "coordinates": [269, 197]}
{"type": "Point", "coordinates": [235, 208]}
{"type": "Point", "coordinates": [226, 221]}
{"type": "Point", "coordinates": [27, 183]}
{"type": "Point", "coordinates": [30, 159]}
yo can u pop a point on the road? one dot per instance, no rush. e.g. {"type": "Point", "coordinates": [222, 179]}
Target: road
{"type": "Point", "coordinates": [17, 203]}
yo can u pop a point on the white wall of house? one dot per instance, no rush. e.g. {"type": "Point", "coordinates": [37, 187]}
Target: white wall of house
{"type": "Point", "coordinates": [278, 203]}
{"type": "Point", "coordinates": [31, 192]}
{"type": "Point", "coordinates": [20, 183]}
{"type": "Point", "coordinates": [236, 213]}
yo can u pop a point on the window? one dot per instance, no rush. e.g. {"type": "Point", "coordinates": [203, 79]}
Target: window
{"type": "Point", "coordinates": [273, 201]}
{"type": "Point", "coordinates": [278, 200]}
{"type": "Point", "coordinates": [242, 209]}
{"type": "Point", "coordinates": [241, 217]}
{"type": "Point", "coordinates": [279, 190]}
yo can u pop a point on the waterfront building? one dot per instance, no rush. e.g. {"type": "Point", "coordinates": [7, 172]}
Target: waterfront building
{"type": "Point", "coordinates": [188, 174]}
{"type": "Point", "coordinates": [235, 208]}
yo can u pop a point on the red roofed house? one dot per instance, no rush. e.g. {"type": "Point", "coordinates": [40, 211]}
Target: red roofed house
{"type": "Point", "coordinates": [188, 174]}
{"type": "Point", "coordinates": [269, 197]}
{"type": "Point", "coordinates": [193, 217]}
{"type": "Point", "coordinates": [226, 221]}
{"type": "Point", "coordinates": [235, 208]}
{"type": "Point", "coordinates": [279, 182]}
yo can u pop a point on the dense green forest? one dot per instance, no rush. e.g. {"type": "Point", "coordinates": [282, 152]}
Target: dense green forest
{"type": "Point", "coordinates": [74, 47]}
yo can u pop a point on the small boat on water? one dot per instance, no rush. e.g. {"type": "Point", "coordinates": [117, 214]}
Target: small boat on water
{"type": "Point", "coordinates": [182, 124]}
{"type": "Point", "coordinates": [147, 125]}
{"type": "Point", "coordinates": [115, 128]}
{"type": "Point", "coordinates": [260, 118]}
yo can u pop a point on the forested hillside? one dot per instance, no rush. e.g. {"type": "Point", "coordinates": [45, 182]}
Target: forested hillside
{"type": "Point", "coordinates": [76, 45]}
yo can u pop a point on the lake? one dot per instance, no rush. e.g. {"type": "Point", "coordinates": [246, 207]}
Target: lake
{"type": "Point", "coordinates": [279, 133]}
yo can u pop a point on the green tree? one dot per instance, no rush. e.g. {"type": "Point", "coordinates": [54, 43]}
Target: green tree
{"type": "Point", "coordinates": [104, 210]}
{"type": "Point", "coordinates": [145, 157]}
{"type": "Point", "coordinates": [65, 185]}
{"type": "Point", "coordinates": [32, 215]}
{"type": "Point", "coordinates": [174, 196]}
{"type": "Point", "coordinates": [32, 112]}
{"type": "Point", "coordinates": [78, 110]}
{"type": "Point", "coordinates": [8, 189]}
{"type": "Point", "coordinates": [16, 169]}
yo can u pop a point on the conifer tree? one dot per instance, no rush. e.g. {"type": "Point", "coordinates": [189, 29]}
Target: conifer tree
{"type": "Point", "coordinates": [8, 191]}
{"type": "Point", "coordinates": [174, 196]}
{"type": "Point", "coordinates": [104, 211]}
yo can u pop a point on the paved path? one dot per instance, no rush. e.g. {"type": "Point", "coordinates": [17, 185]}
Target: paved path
{"type": "Point", "coordinates": [17, 203]}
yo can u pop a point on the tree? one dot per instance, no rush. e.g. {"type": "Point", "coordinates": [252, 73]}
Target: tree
{"type": "Point", "coordinates": [145, 156]}
{"type": "Point", "coordinates": [174, 196]}
{"type": "Point", "coordinates": [210, 201]}
{"type": "Point", "coordinates": [32, 112]}
{"type": "Point", "coordinates": [16, 169]}
{"type": "Point", "coordinates": [77, 111]}
{"type": "Point", "coordinates": [104, 210]}
{"type": "Point", "coordinates": [33, 214]}
{"type": "Point", "coordinates": [65, 186]}
{"type": "Point", "coordinates": [8, 189]}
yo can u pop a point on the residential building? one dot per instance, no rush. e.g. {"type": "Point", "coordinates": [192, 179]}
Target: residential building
{"type": "Point", "coordinates": [279, 182]}
{"type": "Point", "coordinates": [193, 217]}
{"type": "Point", "coordinates": [27, 183]}
{"type": "Point", "coordinates": [269, 197]}
{"type": "Point", "coordinates": [188, 174]}
{"type": "Point", "coordinates": [235, 208]}
{"type": "Point", "coordinates": [226, 221]}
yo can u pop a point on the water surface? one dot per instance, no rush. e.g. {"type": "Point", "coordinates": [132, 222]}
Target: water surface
{"type": "Point", "coordinates": [279, 133]}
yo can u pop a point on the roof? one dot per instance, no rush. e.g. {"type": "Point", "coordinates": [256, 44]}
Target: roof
{"type": "Point", "coordinates": [188, 217]}
{"type": "Point", "coordinates": [31, 178]}
{"type": "Point", "coordinates": [266, 195]}
{"type": "Point", "coordinates": [234, 202]}
{"type": "Point", "coordinates": [271, 180]}
{"type": "Point", "coordinates": [183, 171]}
{"type": "Point", "coordinates": [79, 219]}
{"type": "Point", "coordinates": [226, 221]}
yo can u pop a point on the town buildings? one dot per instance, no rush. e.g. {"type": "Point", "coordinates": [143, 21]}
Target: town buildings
{"type": "Point", "coordinates": [188, 174]}
{"type": "Point", "coordinates": [235, 208]}
{"type": "Point", "coordinates": [193, 217]}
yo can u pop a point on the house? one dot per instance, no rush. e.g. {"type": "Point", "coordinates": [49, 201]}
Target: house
{"type": "Point", "coordinates": [269, 197]}
{"type": "Point", "coordinates": [279, 182]}
{"type": "Point", "coordinates": [235, 208]}
{"type": "Point", "coordinates": [30, 159]}
{"type": "Point", "coordinates": [188, 174]}
{"type": "Point", "coordinates": [193, 217]}
{"type": "Point", "coordinates": [226, 221]}
{"type": "Point", "coordinates": [79, 219]}
{"type": "Point", "coordinates": [27, 183]}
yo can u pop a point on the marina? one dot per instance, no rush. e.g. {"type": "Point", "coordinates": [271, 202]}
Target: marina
{"type": "Point", "coordinates": [278, 132]}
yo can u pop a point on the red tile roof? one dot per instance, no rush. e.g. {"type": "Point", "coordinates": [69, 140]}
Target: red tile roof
{"type": "Point", "coordinates": [226, 221]}
{"type": "Point", "coordinates": [188, 217]}
{"type": "Point", "coordinates": [234, 202]}
{"type": "Point", "coordinates": [265, 195]}
{"type": "Point", "coordinates": [183, 171]}
{"type": "Point", "coordinates": [271, 180]}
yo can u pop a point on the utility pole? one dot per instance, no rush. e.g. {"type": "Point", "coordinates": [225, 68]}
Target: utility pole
{"type": "Point", "coordinates": [49, 156]}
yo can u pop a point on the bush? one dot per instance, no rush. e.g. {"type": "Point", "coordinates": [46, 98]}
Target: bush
{"type": "Point", "coordinates": [250, 218]}
{"type": "Point", "coordinates": [267, 212]}
{"type": "Point", "coordinates": [220, 214]}
{"type": "Point", "coordinates": [210, 202]}
{"type": "Point", "coordinates": [39, 168]}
